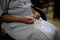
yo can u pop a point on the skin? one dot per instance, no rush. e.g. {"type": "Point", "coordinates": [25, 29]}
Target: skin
{"type": "Point", "coordinates": [27, 20]}
{"type": "Point", "coordinates": [36, 15]}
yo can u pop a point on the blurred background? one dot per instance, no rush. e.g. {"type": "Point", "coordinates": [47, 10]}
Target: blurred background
{"type": "Point", "coordinates": [51, 8]}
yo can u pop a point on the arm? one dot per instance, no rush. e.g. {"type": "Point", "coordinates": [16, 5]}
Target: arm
{"type": "Point", "coordinates": [36, 15]}
{"type": "Point", "coordinates": [9, 18]}
{"type": "Point", "coordinates": [33, 11]}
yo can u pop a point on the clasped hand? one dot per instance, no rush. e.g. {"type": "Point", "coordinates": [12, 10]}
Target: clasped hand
{"type": "Point", "coordinates": [29, 20]}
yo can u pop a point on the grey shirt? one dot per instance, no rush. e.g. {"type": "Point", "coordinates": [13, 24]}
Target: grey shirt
{"type": "Point", "coordinates": [18, 8]}
{"type": "Point", "coordinates": [21, 8]}
{"type": "Point", "coordinates": [1, 11]}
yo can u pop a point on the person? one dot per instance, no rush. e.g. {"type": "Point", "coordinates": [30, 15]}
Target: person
{"type": "Point", "coordinates": [23, 23]}
{"type": "Point", "coordinates": [37, 6]}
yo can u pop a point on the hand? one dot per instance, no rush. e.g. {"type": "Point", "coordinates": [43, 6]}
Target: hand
{"type": "Point", "coordinates": [36, 15]}
{"type": "Point", "coordinates": [28, 20]}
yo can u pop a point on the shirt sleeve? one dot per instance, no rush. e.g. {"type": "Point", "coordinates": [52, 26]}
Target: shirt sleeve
{"type": "Point", "coordinates": [1, 11]}
{"type": "Point", "coordinates": [3, 6]}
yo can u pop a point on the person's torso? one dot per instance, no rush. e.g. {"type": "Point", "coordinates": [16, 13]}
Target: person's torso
{"type": "Point", "coordinates": [18, 8]}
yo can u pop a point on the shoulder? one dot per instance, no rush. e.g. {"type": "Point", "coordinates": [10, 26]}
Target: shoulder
{"type": "Point", "coordinates": [1, 11]}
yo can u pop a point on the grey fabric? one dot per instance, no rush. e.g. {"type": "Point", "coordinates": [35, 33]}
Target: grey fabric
{"type": "Point", "coordinates": [38, 35]}
{"type": "Point", "coordinates": [3, 4]}
{"type": "Point", "coordinates": [17, 8]}
{"type": "Point", "coordinates": [44, 32]}
{"type": "Point", "coordinates": [1, 11]}
{"type": "Point", "coordinates": [27, 34]}
{"type": "Point", "coordinates": [22, 31]}
{"type": "Point", "coordinates": [20, 8]}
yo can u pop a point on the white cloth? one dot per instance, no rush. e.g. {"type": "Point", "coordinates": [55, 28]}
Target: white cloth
{"type": "Point", "coordinates": [25, 32]}
{"type": "Point", "coordinates": [22, 31]}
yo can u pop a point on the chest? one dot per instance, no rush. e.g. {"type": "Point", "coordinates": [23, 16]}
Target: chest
{"type": "Point", "coordinates": [19, 2]}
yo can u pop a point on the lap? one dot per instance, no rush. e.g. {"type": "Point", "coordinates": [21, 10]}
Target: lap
{"type": "Point", "coordinates": [42, 33]}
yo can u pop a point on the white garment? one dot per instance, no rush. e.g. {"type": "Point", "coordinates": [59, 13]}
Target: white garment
{"type": "Point", "coordinates": [45, 27]}
{"type": "Point", "coordinates": [22, 31]}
